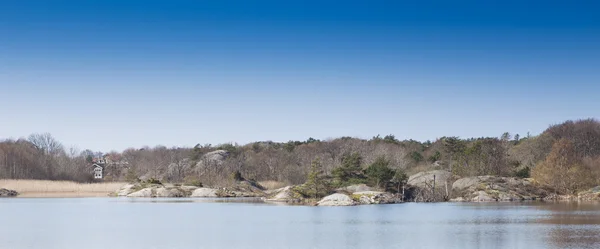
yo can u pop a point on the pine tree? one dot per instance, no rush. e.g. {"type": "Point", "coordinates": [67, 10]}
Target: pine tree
{"type": "Point", "coordinates": [350, 172]}
{"type": "Point", "coordinates": [379, 173]}
{"type": "Point", "coordinates": [316, 185]}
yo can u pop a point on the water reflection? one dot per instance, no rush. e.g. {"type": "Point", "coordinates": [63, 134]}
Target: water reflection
{"type": "Point", "coordinates": [250, 223]}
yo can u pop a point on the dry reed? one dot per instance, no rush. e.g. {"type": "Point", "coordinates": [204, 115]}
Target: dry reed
{"type": "Point", "coordinates": [44, 188]}
{"type": "Point", "coordinates": [272, 184]}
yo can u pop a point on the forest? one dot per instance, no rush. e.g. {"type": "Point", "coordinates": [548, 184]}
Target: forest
{"type": "Point", "coordinates": [565, 157]}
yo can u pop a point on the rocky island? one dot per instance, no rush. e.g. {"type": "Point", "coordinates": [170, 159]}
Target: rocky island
{"type": "Point", "coordinates": [8, 193]}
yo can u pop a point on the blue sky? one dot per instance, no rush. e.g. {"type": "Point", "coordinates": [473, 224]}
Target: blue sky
{"type": "Point", "coordinates": [115, 74]}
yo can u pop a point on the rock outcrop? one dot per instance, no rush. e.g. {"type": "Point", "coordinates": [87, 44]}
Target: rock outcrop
{"type": "Point", "coordinates": [155, 190]}
{"type": "Point", "coordinates": [355, 188]}
{"type": "Point", "coordinates": [494, 188]}
{"type": "Point", "coordinates": [8, 193]}
{"type": "Point", "coordinates": [284, 194]}
{"type": "Point", "coordinates": [425, 179]}
{"type": "Point", "coordinates": [375, 197]}
{"type": "Point", "coordinates": [337, 200]}
{"type": "Point", "coordinates": [590, 195]}
{"type": "Point", "coordinates": [169, 192]}
{"type": "Point", "coordinates": [125, 190]}
{"type": "Point", "coordinates": [204, 192]}
{"type": "Point", "coordinates": [213, 158]}
{"type": "Point", "coordinates": [144, 193]}
{"type": "Point", "coordinates": [421, 187]}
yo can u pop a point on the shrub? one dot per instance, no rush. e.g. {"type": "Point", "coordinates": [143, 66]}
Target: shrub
{"type": "Point", "coordinates": [416, 156]}
{"type": "Point", "coordinates": [523, 173]}
{"type": "Point", "coordinates": [237, 176]}
{"type": "Point", "coordinates": [152, 180]}
{"type": "Point", "coordinates": [563, 170]}
{"type": "Point", "coordinates": [192, 181]}
{"type": "Point", "coordinates": [435, 157]}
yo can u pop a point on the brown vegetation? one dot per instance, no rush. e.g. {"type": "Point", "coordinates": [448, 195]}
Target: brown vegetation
{"type": "Point", "coordinates": [45, 188]}
{"type": "Point", "coordinates": [343, 159]}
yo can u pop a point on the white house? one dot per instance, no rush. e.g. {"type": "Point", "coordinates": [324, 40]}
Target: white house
{"type": "Point", "coordinates": [97, 171]}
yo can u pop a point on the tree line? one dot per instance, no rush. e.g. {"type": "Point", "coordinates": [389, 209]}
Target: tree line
{"type": "Point", "coordinates": [565, 157]}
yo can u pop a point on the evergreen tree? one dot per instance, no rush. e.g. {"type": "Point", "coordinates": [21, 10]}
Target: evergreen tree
{"type": "Point", "coordinates": [379, 173]}
{"type": "Point", "coordinates": [350, 172]}
{"type": "Point", "coordinates": [316, 185]}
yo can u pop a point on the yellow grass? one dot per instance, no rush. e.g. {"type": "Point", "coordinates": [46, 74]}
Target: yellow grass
{"type": "Point", "coordinates": [272, 184]}
{"type": "Point", "coordinates": [42, 188]}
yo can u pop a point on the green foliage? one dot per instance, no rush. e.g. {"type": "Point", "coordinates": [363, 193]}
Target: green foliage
{"type": "Point", "coordinates": [523, 173]}
{"type": "Point", "coordinates": [390, 139]}
{"type": "Point", "coordinates": [399, 180]}
{"type": "Point", "coordinates": [416, 156]}
{"type": "Point", "coordinates": [290, 146]}
{"type": "Point", "coordinates": [350, 171]}
{"type": "Point", "coordinates": [387, 139]}
{"type": "Point", "coordinates": [480, 156]}
{"type": "Point", "coordinates": [229, 148]}
{"type": "Point", "coordinates": [311, 140]}
{"type": "Point", "coordinates": [379, 173]}
{"type": "Point", "coordinates": [196, 152]}
{"type": "Point", "coordinates": [317, 184]}
{"type": "Point", "coordinates": [435, 157]}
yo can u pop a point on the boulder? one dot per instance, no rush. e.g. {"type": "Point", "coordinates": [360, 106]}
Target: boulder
{"type": "Point", "coordinates": [592, 194]}
{"type": "Point", "coordinates": [355, 188]}
{"type": "Point", "coordinates": [216, 157]}
{"type": "Point", "coordinates": [144, 193]}
{"type": "Point", "coordinates": [188, 188]}
{"type": "Point", "coordinates": [284, 194]}
{"type": "Point", "coordinates": [204, 192]}
{"type": "Point", "coordinates": [423, 179]}
{"type": "Point", "coordinates": [420, 186]}
{"type": "Point", "coordinates": [375, 197]}
{"type": "Point", "coordinates": [495, 188]}
{"type": "Point", "coordinates": [169, 192]}
{"type": "Point", "coordinates": [483, 196]}
{"type": "Point", "coordinates": [125, 190]}
{"type": "Point", "coordinates": [8, 193]}
{"type": "Point", "coordinates": [458, 199]}
{"type": "Point", "coordinates": [336, 200]}
{"type": "Point", "coordinates": [468, 182]}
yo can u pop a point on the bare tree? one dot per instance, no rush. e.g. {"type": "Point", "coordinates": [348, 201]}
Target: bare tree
{"type": "Point", "coordinates": [46, 143]}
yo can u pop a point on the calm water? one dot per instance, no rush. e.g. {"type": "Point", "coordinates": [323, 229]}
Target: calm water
{"type": "Point", "coordinates": [159, 223]}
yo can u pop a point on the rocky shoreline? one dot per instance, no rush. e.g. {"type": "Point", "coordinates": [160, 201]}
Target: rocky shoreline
{"type": "Point", "coordinates": [432, 186]}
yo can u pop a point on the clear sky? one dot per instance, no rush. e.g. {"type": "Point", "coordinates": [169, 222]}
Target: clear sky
{"type": "Point", "coordinates": [113, 74]}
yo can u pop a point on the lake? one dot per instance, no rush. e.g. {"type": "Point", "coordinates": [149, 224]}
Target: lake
{"type": "Point", "coordinates": [116, 223]}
